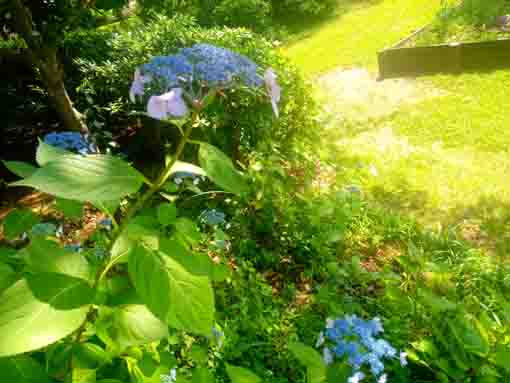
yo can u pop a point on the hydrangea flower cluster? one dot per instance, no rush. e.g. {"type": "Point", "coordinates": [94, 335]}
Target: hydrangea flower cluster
{"type": "Point", "coordinates": [212, 217]}
{"type": "Point", "coordinates": [73, 141]}
{"type": "Point", "coordinates": [357, 341]}
{"type": "Point", "coordinates": [208, 65]}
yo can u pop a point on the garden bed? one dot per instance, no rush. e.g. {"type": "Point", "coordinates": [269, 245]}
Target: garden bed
{"type": "Point", "coordinates": [460, 39]}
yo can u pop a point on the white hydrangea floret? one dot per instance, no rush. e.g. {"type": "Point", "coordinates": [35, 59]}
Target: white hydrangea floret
{"type": "Point", "coordinates": [273, 89]}
{"type": "Point", "coordinates": [167, 105]}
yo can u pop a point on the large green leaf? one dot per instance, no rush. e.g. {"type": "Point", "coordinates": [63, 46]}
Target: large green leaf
{"type": "Point", "coordinates": [48, 153]}
{"type": "Point", "coordinates": [7, 276]}
{"type": "Point", "coordinates": [220, 170]}
{"type": "Point", "coordinates": [22, 369]}
{"type": "Point", "coordinates": [90, 356]}
{"type": "Point", "coordinates": [181, 299]}
{"type": "Point", "coordinates": [202, 375]}
{"type": "Point", "coordinates": [241, 375]}
{"type": "Point", "coordinates": [71, 209]}
{"type": "Point", "coordinates": [311, 359]}
{"type": "Point", "coordinates": [40, 310]}
{"type": "Point", "coordinates": [193, 262]}
{"type": "Point", "coordinates": [167, 214]}
{"type": "Point", "coordinates": [83, 375]}
{"type": "Point", "coordinates": [47, 256]}
{"type": "Point", "coordinates": [94, 178]}
{"type": "Point", "coordinates": [134, 325]}
{"type": "Point", "coordinates": [21, 169]}
{"type": "Point", "coordinates": [19, 221]}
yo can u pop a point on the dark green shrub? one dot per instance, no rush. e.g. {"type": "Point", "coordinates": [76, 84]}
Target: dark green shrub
{"type": "Point", "coordinates": [306, 7]}
{"type": "Point", "coordinates": [106, 60]}
{"type": "Point", "coordinates": [254, 14]}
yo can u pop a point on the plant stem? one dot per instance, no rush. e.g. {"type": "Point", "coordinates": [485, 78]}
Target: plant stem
{"type": "Point", "coordinates": [136, 207]}
{"type": "Point", "coordinates": [162, 177]}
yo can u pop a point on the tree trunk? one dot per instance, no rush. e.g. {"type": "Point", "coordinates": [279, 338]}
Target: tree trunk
{"type": "Point", "coordinates": [52, 76]}
{"type": "Point", "coordinates": [44, 58]}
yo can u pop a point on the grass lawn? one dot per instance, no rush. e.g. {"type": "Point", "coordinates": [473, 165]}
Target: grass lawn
{"type": "Point", "coordinates": [444, 159]}
{"type": "Point", "coordinates": [354, 33]}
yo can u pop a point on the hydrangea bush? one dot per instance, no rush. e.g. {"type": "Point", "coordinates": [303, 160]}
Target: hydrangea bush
{"type": "Point", "coordinates": [76, 298]}
{"type": "Point", "coordinates": [237, 120]}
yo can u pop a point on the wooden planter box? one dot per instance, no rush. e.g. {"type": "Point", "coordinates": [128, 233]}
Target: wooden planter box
{"type": "Point", "coordinates": [445, 58]}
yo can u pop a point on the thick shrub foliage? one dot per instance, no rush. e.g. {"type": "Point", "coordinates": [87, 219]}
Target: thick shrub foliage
{"type": "Point", "coordinates": [107, 60]}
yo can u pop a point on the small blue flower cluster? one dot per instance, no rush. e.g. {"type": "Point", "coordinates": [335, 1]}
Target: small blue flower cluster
{"type": "Point", "coordinates": [206, 63]}
{"type": "Point", "coordinates": [179, 177]}
{"type": "Point", "coordinates": [43, 230]}
{"type": "Point", "coordinates": [74, 247]}
{"type": "Point", "coordinates": [73, 141]}
{"type": "Point", "coordinates": [212, 217]}
{"type": "Point", "coordinates": [356, 340]}
{"type": "Point", "coordinates": [107, 223]}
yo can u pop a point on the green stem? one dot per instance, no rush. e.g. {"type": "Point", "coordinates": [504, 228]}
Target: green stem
{"type": "Point", "coordinates": [136, 207]}
{"type": "Point", "coordinates": [161, 179]}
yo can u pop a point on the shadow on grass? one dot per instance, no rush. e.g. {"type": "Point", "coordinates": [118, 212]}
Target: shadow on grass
{"type": "Point", "coordinates": [296, 27]}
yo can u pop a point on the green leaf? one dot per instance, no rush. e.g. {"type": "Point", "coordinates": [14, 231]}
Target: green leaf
{"type": "Point", "coordinates": [339, 372]}
{"type": "Point", "coordinates": [188, 168]}
{"type": "Point", "coordinates": [143, 229]}
{"type": "Point", "coordinates": [94, 178]}
{"type": "Point", "coordinates": [193, 262]}
{"type": "Point", "coordinates": [188, 230]}
{"type": "Point", "coordinates": [311, 359]}
{"type": "Point", "coordinates": [40, 310]}
{"type": "Point", "coordinates": [502, 357]}
{"type": "Point", "coordinates": [220, 170]}
{"type": "Point", "coordinates": [48, 153]}
{"type": "Point", "coordinates": [21, 169]}
{"type": "Point", "coordinates": [167, 214]}
{"type": "Point", "coordinates": [90, 356]}
{"type": "Point", "coordinates": [71, 209]}
{"type": "Point", "coordinates": [134, 325]}
{"type": "Point", "coordinates": [241, 375]}
{"type": "Point", "coordinates": [83, 375]}
{"type": "Point", "coordinates": [177, 297]}
{"type": "Point", "coordinates": [7, 276]}
{"type": "Point", "coordinates": [202, 375]}
{"type": "Point", "coordinates": [19, 221]}
{"type": "Point", "coordinates": [22, 369]}
{"type": "Point", "coordinates": [47, 256]}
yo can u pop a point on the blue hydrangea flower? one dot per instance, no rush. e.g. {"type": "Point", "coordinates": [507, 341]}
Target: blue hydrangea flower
{"type": "Point", "coordinates": [205, 64]}
{"type": "Point", "coordinates": [43, 230]}
{"type": "Point", "coordinates": [74, 247]}
{"type": "Point", "coordinates": [107, 223]}
{"type": "Point", "coordinates": [357, 341]}
{"type": "Point", "coordinates": [72, 141]}
{"type": "Point", "coordinates": [218, 336]}
{"type": "Point", "coordinates": [212, 217]}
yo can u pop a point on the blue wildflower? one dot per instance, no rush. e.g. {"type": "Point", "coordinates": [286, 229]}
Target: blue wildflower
{"type": "Point", "coordinates": [72, 141]}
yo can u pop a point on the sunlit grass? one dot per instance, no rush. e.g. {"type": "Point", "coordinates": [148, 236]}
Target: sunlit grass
{"type": "Point", "coordinates": [354, 35]}
{"type": "Point", "coordinates": [445, 159]}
